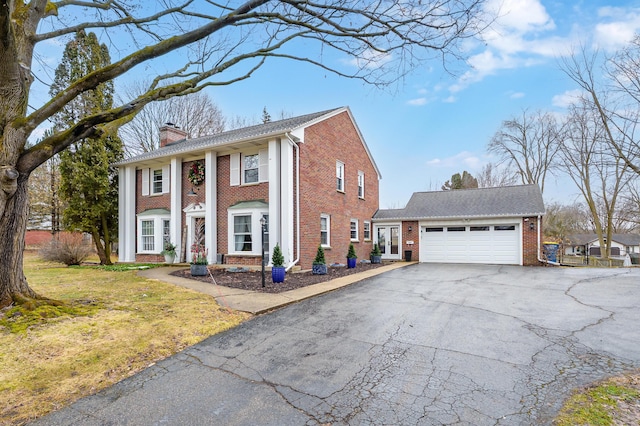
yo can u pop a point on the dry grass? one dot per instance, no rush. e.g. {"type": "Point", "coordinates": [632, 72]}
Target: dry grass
{"type": "Point", "coordinates": [126, 324]}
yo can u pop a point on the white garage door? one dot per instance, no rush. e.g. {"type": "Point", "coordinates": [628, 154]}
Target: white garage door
{"type": "Point", "coordinates": [492, 244]}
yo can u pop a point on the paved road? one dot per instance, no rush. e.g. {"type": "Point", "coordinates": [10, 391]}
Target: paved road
{"type": "Point", "coordinates": [424, 345]}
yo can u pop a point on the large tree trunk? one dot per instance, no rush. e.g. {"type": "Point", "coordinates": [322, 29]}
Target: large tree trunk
{"type": "Point", "coordinates": [13, 225]}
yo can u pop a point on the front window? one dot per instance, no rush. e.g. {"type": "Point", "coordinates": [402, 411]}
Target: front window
{"type": "Point", "coordinates": [147, 235]}
{"type": "Point", "coordinates": [354, 230]}
{"type": "Point", "coordinates": [367, 231]}
{"type": "Point", "coordinates": [242, 233]}
{"type": "Point", "coordinates": [340, 176]}
{"type": "Point", "coordinates": [251, 164]}
{"type": "Point", "coordinates": [157, 182]}
{"type": "Point", "coordinates": [325, 226]}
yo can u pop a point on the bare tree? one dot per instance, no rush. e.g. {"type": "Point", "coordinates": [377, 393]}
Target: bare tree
{"type": "Point", "coordinates": [561, 220]}
{"type": "Point", "coordinates": [211, 44]}
{"type": "Point", "coordinates": [597, 171]}
{"type": "Point", "coordinates": [528, 144]}
{"type": "Point", "coordinates": [196, 114]}
{"type": "Point", "coordinates": [492, 176]}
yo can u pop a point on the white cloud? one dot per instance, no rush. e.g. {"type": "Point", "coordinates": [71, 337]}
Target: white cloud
{"type": "Point", "coordinates": [464, 160]}
{"type": "Point", "coordinates": [516, 95]}
{"type": "Point", "coordinates": [417, 102]}
{"type": "Point", "coordinates": [371, 59]}
{"type": "Point", "coordinates": [619, 27]}
{"type": "Point", "coordinates": [565, 99]}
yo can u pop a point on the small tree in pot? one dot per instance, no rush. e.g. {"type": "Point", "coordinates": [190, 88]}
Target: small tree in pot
{"type": "Point", "coordinates": [277, 270]}
{"type": "Point", "coordinates": [319, 263]}
{"type": "Point", "coordinates": [376, 255]}
{"type": "Point", "coordinates": [169, 252]}
{"type": "Point", "coordinates": [351, 257]}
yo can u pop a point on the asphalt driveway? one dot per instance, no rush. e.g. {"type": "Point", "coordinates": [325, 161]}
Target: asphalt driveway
{"type": "Point", "coordinates": [425, 344]}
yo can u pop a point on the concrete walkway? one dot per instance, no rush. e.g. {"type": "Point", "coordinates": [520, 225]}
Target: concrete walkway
{"type": "Point", "coordinates": [256, 302]}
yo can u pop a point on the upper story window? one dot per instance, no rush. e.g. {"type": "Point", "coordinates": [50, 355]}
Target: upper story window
{"type": "Point", "coordinates": [340, 176]}
{"type": "Point", "coordinates": [247, 169]}
{"type": "Point", "coordinates": [250, 168]}
{"type": "Point", "coordinates": [325, 230]}
{"type": "Point", "coordinates": [156, 186]}
{"type": "Point", "coordinates": [360, 184]}
{"type": "Point", "coordinates": [155, 181]}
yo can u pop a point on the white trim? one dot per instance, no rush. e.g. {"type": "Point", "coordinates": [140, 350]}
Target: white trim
{"type": "Point", "coordinates": [364, 230]}
{"type": "Point", "coordinates": [145, 181]}
{"type": "Point", "coordinates": [127, 214]}
{"type": "Point", "coordinates": [176, 211]}
{"type": "Point", "coordinates": [275, 193]}
{"type": "Point", "coordinates": [243, 169]}
{"type": "Point", "coordinates": [360, 184]}
{"type": "Point", "coordinates": [386, 250]}
{"type": "Point", "coordinates": [234, 169]}
{"type": "Point", "coordinates": [158, 245]}
{"type": "Point", "coordinates": [340, 172]}
{"type": "Point", "coordinates": [211, 200]}
{"type": "Point", "coordinates": [191, 212]}
{"type": "Point", "coordinates": [263, 165]}
{"type": "Point", "coordinates": [256, 231]}
{"type": "Point", "coordinates": [357, 238]}
{"type": "Point", "coordinates": [328, 230]}
{"type": "Point", "coordinates": [165, 178]}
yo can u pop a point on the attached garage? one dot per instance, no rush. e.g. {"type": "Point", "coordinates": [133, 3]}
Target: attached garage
{"type": "Point", "coordinates": [465, 243]}
{"type": "Point", "coordinates": [487, 225]}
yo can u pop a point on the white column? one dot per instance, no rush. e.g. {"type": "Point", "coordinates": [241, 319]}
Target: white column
{"type": "Point", "coordinates": [211, 201]}
{"type": "Point", "coordinates": [176, 205]}
{"type": "Point", "coordinates": [286, 201]}
{"type": "Point", "coordinates": [127, 214]}
{"type": "Point", "coordinates": [274, 195]}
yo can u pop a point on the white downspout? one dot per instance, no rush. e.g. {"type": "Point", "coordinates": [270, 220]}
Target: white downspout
{"type": "Point", "coordinates": [297, 149]}
{"type": "Point", "coordinates": [540, 259]}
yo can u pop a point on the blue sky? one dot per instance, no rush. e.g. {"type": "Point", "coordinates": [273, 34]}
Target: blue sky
{"type": "Point", "coordinates": [435, 124]}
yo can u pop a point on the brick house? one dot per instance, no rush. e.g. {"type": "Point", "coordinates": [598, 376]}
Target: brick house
{"type": "Point", "coordinates": [488, 225]}
{"type": "Point", "coordinates": [312, 178]}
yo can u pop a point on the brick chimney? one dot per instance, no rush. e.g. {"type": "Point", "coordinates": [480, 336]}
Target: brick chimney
{"type": "Point", "coordinates": [170, 133]}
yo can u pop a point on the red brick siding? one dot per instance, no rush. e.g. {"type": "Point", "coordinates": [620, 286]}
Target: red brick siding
{"type": "Point", "coordinates": [530, 242]}
{"type": "Point", "coordinates": [229, 195]}
{"type": "Point", "coordinates": [329, 141]}
{"type": "Point", "coordinates": [159, 201]}
{"type": "Point", "coordinates": [413, 235]}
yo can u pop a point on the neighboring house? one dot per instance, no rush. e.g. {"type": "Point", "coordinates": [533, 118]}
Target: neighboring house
{"type": "Point", "coordinates": [489, 225]}
{"type": "Point", "coordinates": [312, 178]}
{"type": "Point", "coordinates": [581, 244]}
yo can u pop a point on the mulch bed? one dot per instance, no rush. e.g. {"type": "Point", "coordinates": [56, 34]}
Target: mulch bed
{"type": "Point", "coordinates": [252, 280]}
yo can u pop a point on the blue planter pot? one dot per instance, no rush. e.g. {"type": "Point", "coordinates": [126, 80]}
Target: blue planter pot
{"type": "Point", "coordinates": [199, 270]}
{"type": "Point", "coordinates": [351, 262]}
{"type": "Point", "coordinates": [376, 259]}
{"type": "Point", "coordinates": [277, 274]}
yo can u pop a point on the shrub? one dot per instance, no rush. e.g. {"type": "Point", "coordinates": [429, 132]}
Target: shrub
{"type": "Point", "coordinates": [277, 259]}
{"type": "Point", "coordinates": [351, 254]}
{"type": "Point", "coordinates": [376, 250]}
{"type": "Point", "coordinates": [70, 249]}
{"type": "Point", "coordinates": [319, 260]}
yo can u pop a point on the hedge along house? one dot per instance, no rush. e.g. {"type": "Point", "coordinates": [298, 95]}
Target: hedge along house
{"type": "Point", "coordinates": [489, 225]}
{"type": "Point", "coordinates": [312, 178]}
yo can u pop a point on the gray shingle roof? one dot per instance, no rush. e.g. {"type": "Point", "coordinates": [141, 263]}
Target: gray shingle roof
{"type": "Point", "coordinates": [522, 200]}
{"type": "Point", "coordinates": [582, 239]}
{"type": "Point", "coordinates": [237, 135]}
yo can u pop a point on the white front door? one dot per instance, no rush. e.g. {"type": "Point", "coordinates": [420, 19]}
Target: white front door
{"type": "Point", "coordinates": [388, 239]}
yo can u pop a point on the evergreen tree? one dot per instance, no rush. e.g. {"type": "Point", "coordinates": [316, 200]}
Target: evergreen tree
{"type": "Point", "coordinates": [266, 117]}
{"type": "Point", "coordinates": [89, 184]}
{"type": "Point", "coordinates": [464, 181]}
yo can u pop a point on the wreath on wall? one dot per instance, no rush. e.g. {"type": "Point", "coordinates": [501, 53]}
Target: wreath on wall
{"type": "Point", "coordinates": [196, 173]}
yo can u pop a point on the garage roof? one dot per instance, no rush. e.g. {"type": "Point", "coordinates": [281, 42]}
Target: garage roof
{"type": "Point", "coordinates": [521, 200]}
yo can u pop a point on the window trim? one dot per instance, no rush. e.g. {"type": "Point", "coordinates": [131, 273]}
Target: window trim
{"type": "Point", "coordinates": [351, 230]}
{"type": "Point", "coordinates": [328, 230]}
{"type": "Point", "coordinates": [366, 228]}
{"type": "Point", "coordinates": [340, 185]}
{"type": "Point", "coordinates": [256, 230]}
{"type": "Point", "coordinates": [360, 184]}
{"type": "Point", "coordinates": [243, 169]}
{"type": "Point", "coordinates": [158, 232]}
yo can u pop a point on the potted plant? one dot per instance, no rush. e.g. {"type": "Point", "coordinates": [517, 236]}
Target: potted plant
{"type": "Point", "coordinates": [198, 260]}
{"type": "Point", "coordinates": [351, 257]}
{"type": "Point", "coordinates": [376, 254]}
{"type": "Point", "coordinates": [319, 264]}
{"type": "Point", "coordinates": [169, 252]}
{"type": "Point", "coordinates": [277, 269]}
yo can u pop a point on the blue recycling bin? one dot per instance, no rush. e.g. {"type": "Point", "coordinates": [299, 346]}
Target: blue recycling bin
{"type": "Point", "coordinates": [551, 251]}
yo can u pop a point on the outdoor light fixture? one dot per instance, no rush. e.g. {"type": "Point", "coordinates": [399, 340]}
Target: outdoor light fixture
{"type": "Point", "coordinates": [191, 193]}
{"type": "Point", "coordinates": [410, 228]}
{"type": "Point", "coordinates": [263, 222]}
{"type": "Point", "coordinates": [532, 226]}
